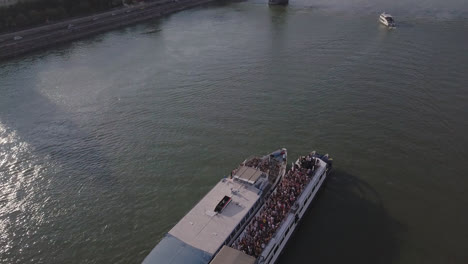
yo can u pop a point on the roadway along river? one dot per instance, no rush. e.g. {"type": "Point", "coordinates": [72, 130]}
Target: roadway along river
{"type": "Point", "coordinates": [107, 142]}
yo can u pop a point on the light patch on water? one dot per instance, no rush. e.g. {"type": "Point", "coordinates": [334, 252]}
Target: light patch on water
{"type": "Point", "coordinates": [57, 84]}
{"type": "Point", "coordinates": [20, 178]}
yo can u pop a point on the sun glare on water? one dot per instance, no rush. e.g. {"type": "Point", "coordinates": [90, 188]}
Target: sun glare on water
{"type": "Point", "coordinates": [20, 204]}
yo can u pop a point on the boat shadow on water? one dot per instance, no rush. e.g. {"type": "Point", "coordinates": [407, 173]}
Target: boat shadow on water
{"type": "Point", "coordinates": [346, 222]}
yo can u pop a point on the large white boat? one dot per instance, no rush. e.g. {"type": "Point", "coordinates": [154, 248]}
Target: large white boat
{"type": "Point", "coordinates": [248, 217]}
{"type": "Point", "coordinates": [267, 234]}
{"type": "Point", "coordinates": [222, 215]}
{"type": "Point", "coordinates": [387, 20]}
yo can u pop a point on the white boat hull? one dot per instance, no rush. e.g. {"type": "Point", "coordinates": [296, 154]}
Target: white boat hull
{"type": "Point", "coordinates": [384, 21]}
{"type": "Point", "coordinates": [271, 254]}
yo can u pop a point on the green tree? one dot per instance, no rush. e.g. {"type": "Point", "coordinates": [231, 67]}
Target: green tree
{"type": "Point", "coordinates": [27, 13]}
{"type": "Point", "coordinates": [84, 5]}
{"type": "Point", "coordinates": [35, 17]}
{"type": "Point", "coordinates": [21, 20]}
{"type": "Point", "coordinates": [10, 22]}
{"type": "Point", "coordinates": [51, 13]}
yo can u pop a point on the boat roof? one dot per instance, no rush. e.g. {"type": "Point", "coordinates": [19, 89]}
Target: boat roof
{"type": "Point", "coordinates": [172, 250]}
{"type": "Point", "coordinates": [386, 14]}
{"type": "Point", "coordinates": [202, 231]}
{"type": "Point", "coordinates": [206, 230]}
{"type": "Point", "coordinates": [248, 174]}
{"type": "Point", "coordinates": [228, 255]}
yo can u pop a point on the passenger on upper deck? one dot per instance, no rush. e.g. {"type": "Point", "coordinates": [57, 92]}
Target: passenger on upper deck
{"type": "Point", "coordinates": [259, 232]}
{"type": "Point", "coordinates": [270, 166]}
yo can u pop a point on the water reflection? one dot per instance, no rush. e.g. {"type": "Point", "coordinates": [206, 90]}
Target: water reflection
{"type": "Point", "coordinates": [52, 172]}
{"type": "Point", "coordinates": [20, 199]}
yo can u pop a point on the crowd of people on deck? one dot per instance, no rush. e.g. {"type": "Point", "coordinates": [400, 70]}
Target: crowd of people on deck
{"type": "Point", "coordinates": [253, 162]}
{"type": "Point", "coordinates": [263, 226]}
{"type": "Point", "coordinates": [269, 166]}
{"type": "Point", "coordinates": [274, 168]}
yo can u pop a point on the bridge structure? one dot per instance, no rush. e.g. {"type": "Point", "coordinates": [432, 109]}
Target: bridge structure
{"type": "Point", "coordinates": [278, 2]}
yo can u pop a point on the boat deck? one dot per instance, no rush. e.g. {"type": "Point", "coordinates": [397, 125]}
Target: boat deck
{"type": "Point", "coordinates": [221, 214]}
{"type": "Point", "coordinates": [269, 218]}
{"type": "Point", "coordinates": [206, 230]}
{"type": "Point", "coordinates": [228, 255]}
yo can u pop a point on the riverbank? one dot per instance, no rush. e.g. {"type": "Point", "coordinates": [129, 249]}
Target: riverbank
{"type": "Point", "coordinates": [105, 143]}
{"type": "Point", "coordinates": [21, 42]}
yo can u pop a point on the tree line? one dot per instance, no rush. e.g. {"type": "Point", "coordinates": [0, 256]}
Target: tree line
{"type": "Point", "coordinates": [31, 13]}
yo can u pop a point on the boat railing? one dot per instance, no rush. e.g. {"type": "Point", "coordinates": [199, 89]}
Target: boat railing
{"type": "Point", "coordinates": [295, 206]}
{"type": "Point", "coordinates": [290, 217]}
{"type": "Point", "coordinates": [290, 211]}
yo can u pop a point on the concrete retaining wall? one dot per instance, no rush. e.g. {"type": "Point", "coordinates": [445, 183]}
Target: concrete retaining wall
{"type": "Point", "coordinates": [46, 36]}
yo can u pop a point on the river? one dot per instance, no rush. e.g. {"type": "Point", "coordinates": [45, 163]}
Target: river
{"type": "Point", "coordinates": [105, 143]}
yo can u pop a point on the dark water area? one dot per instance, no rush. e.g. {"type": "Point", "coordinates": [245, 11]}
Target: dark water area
{"type": "Point", "coordinates": [107, 142]}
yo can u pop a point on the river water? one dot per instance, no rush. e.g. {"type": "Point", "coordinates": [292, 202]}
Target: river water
{"type": "Point", "coordinates": [105, 143]}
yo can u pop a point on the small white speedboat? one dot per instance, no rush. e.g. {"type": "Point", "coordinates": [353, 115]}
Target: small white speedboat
{"type": "Point", "coordinates": [387, 20]}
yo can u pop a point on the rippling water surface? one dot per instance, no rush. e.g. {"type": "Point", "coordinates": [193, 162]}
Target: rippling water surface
{"type": "Point", "coordinates": [107, 142]}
